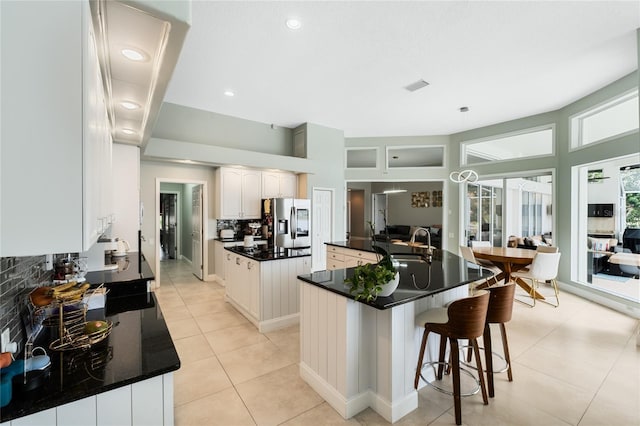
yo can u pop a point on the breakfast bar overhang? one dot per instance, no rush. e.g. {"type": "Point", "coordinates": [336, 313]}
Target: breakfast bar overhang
{"type": "Point", "coordinates": [358, 355]}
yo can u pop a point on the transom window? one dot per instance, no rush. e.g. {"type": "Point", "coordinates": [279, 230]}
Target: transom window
{"type": "Point", "coordinates": [614, 118]}
{"type": "Point", "coordinates": [527, 143]}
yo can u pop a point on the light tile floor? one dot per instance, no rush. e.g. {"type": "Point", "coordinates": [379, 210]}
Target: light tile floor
{"type": "Point", "coordinates": [573, 365]}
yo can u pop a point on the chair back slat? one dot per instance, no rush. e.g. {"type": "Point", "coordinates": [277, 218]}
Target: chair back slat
{"type": "Point", "coordinates": [467, 316]}
{"type": "Point", "coordinates": [501, 303]}
{"type": "Point", "coordinates": [546, 249]}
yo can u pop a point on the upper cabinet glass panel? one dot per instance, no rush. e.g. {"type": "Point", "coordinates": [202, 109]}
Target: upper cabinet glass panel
{"type": "Point", "coordinates": [614, 118]}
{"type": "Point", "coordinates": [362, 158]}
{"type": "Point", "coordinates": [524, 144]}
{"type": "Point", "coordinates": [415, 156]}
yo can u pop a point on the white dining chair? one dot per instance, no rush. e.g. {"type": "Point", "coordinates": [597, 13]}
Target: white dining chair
{"type": "Point", "coordinates": [546, 249]}
{"type": "Point", "coordinates": [467, 254]}
{"type": "Point", "coordinates": [475, 244]}
{"type": "Point", "coordinates": [543, 268]}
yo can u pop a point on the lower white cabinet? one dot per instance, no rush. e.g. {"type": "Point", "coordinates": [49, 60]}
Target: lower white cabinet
{"type": "Point", "coordinates": [341, 258]}
{"type": "Point", "coordinates": [149, 402]}
{"type": "Point", "coordinates": [265, 292]}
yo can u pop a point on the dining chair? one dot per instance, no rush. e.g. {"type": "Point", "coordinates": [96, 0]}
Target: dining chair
{"type": "Point", "coordinates": [462, 319]}
{"type": "Point", "coordinates": [475, 243]}
{"type": "Point", "coordinates": [467, 254]}
{"type": "Point", "coordinates": [546, 249]}
{"type": "Point", "coordinates": [543, 268]}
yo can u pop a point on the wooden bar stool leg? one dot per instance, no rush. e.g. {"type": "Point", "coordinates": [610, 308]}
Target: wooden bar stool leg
{"type": "Point", "coordinates": [483, 387]}
{"type": "Point", "coordinates": [488, 356]}
{"type": "Point", "coordinates": [420, 358]}
{"type": "Point", "coordinates": [455, 361]}
{"type": "Point", "coordinates": [505, 345]}
{"type": "Point", "coordinates": [443, 349]}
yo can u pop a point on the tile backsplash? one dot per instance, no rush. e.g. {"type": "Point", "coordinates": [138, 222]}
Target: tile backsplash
{"type": "Point", "coordinates": [18, 275]}
{"type": "Point", "coordinates": [237, 225]}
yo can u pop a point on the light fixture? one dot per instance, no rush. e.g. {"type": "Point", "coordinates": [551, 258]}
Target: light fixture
{"type": "Point", "coordinates": [229, 93]}
{"type": "Point", "coordinates": [464, 109]}
{"type": "Point", "coordinates": [417, 85]}
{"type": "Point", "coordinates": [128, 131]}
{"type": "Point", "coordinates": [133, 54]}
{"type": "Point", "coordinates": [393, 191]}
{"type": "Point", "coordinates": [463, 176]}
{"type": "Point", "coordinates": [294, 24]}
{"type": "Point", "coordinates": [129, 105]}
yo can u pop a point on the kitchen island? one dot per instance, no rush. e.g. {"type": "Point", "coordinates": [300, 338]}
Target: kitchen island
{"type": "Point", "coordinates": [261, 284]}
{"type": "Point", "coordinates": [358, 355]}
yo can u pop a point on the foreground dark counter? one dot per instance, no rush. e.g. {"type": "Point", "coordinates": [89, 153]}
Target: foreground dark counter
{"type": "Point", "coordinates": [263, 253]}
{"type": "Point", "coordinates": [446, 271]}
{"type": "Point", "coordinates": [138, 348]}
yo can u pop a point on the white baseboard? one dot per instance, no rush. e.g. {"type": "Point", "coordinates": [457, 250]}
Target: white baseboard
{"type": "Point", "coordinates": [278, 323]}
{"type": "Point", "coordinates": [185, 259]}
{"type": "Point", "coordinates": [211, 277]}
{"type": "Point", "coordinates": [346, 408]}
{"type": "Point", "coordinates": [393, 413]}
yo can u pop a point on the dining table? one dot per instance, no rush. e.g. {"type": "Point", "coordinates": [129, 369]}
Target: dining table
{"type": "Point", "coordinates": [509, 259]}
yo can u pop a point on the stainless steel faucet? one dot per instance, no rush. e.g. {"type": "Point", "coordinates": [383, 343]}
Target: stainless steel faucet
{"type": "Point", "coordinates": [413, 237]}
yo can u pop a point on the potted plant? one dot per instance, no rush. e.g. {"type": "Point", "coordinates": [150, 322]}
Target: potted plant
{"type": "Point", "coordinates": [374, 279]}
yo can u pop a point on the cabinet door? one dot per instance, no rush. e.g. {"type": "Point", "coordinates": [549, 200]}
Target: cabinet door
{"type": "Point", "coordinates": [270, 185]}
{"type": "Point", "coordinates": [114, 407]}
{"type": "Point", "coordinates": [81, 412]}
{"type": "Point", "coordinates": [230, 275]}
{"type": "Point", "coordinates": [242, 282]}
{"type": "Point", "coordinates": [251, 194]}
{"type": "Point", "coordinates": [231, 194]}
{"type": "Point", "coordinates": [288, 185]}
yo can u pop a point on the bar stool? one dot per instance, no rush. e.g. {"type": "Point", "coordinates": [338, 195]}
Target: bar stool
{"type": "Point", "coordinates": [463, 319]}
{"type": "Point", "coordinates": [499, 312]}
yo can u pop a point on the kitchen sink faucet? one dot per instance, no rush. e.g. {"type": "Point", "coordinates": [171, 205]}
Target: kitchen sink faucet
{"type": "Point", "coordinates": [413, 237]}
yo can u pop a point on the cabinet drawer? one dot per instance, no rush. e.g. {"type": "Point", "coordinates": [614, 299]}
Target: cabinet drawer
{"type": "Point", "coordinates": [335, 256]}
{"type": "Point", "coordinates": [334, 249]}
{"type": "Point", "coordinates": [335, 264]}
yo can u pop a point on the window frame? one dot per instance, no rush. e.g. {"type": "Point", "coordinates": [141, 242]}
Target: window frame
{"type": "Point", "coordinates": [392, 147]}
{"type": "Point", "coordinates": [549, 126]}
{"type": "Point", "coordinates": [376, 149]}
{"type": "Point", "coordinates": [576, 120]}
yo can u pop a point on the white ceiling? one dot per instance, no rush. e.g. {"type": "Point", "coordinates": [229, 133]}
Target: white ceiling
{"type": "Point", "coordinates": [348, 65]}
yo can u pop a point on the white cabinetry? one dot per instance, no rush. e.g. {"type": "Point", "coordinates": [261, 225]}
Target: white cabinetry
{"type": "Point", "coordinates": [266, 293]}
{"type": "Point", "coordinates": [141, 403]}
{"type": "Point", "coordinates": [279, 185]}
{"type": "Point", "coordinates": [56, 147]}
{"type": "Point", "coordinates": [341, 258]}
{"type": "Point", "coordinates": [238, 193]}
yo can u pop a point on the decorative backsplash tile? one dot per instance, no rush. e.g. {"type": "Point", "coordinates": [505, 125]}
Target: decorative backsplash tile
{"type": "Point", "coordinates": [18, 275]}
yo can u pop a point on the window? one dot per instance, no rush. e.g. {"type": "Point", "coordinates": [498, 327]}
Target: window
{"type": "Point", "coordinates": [630, 187]}
{"type": "Point", "coordinates": [614, 118]}
{"type": "Point", "coordinates": [415, 156]}
{"type": "Point", "coordinates": [362, 158]}
{"type": "Point", "coordinates": [528, 143]}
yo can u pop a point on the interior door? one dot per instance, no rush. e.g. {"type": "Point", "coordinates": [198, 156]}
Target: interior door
{"type": "Point", "coordinates": [322, 227]}
{"type": "Point", "coordinates": [196, 231]}
{"type": "Point", "coordinates": [379, 212]}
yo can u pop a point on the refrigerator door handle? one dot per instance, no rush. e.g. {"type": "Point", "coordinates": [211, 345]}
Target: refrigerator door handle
{"type": "Point", "coordinates": [292, 221]}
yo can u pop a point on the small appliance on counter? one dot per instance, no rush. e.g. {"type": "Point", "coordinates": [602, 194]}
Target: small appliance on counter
{"type": "Point", "coordinates": [227, 234]}
{"type": "Point", "coordinates": [101, 250]}
{"type": "Point", "coordinates": [122, 248]}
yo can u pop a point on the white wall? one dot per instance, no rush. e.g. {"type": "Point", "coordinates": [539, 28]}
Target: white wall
{"type": "Point", "coordinates": [126, 193]}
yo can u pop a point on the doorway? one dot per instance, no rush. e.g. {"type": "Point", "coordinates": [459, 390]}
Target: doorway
{"type": "Point", "coordinates": [169, 229]}
{"type": "Point", "coordinates": [181, 224]}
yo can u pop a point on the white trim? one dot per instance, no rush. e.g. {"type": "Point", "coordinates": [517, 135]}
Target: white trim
{"type": "Point", "coordinates": [278, 323]}
{"type": "Point", "coordinates": [212, 278]}
{"type": "Point", "coordinates": [551, 126]}
{"type": "Point", "coordinates": [182, 257]}
{"type": "Point", "coordinates": [333, 215]}
{"type": "Point", "coordinates": [346, 408]}
{"type": "Point", "coordinates": [601, 297]}
{"type": "Point", "coordinates": [394, 412]}
{"type": "Point", "coordinates": [205, 221]}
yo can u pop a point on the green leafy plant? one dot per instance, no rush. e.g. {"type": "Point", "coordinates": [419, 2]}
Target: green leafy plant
{"type": "Point", "coordinates": [367, 280]}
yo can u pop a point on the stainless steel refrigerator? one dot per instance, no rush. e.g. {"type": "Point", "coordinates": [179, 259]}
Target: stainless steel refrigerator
{"type": "Point", "coordinates": [289, 220]}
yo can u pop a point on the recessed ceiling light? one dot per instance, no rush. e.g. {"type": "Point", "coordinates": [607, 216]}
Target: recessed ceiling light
{"type": "Point", "coordinates": [229, 93]}
{"type": "Point", "coordinates": [294, 24]}
{"type": "Point", "coordinates": [464, 109]}
{"type": "Point", "coordinates": [128, 131]}
{"type": "Point", "coordinates": [129, 105]}
{"type": "Point", "coordinates": [417, 85]}
{"type": "Point", "coordinates": [133, 54]}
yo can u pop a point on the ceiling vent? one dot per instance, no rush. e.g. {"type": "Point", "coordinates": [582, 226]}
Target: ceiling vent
{"type": "Point", "coordinates": [417, 85]}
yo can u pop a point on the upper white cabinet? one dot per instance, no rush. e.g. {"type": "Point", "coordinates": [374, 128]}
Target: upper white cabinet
{"type": "Point", "coordinates": [238, 193]}
{"type": "Point", "coordinates": [56, 147]}
{"type": "Point", "coordinates": [279, 185]}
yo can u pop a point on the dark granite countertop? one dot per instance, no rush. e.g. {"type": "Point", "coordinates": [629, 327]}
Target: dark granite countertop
{"type": "Point", "coordinates": [129, 269]}
{"type": "Point", "coordinates": [138, 348]}
{"type": "Point", "coordinates": [446, 271]}
{"type": "Point", "coordinates": [264, 253]}
{"type": "Point", "coordinates": [366, 245]}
